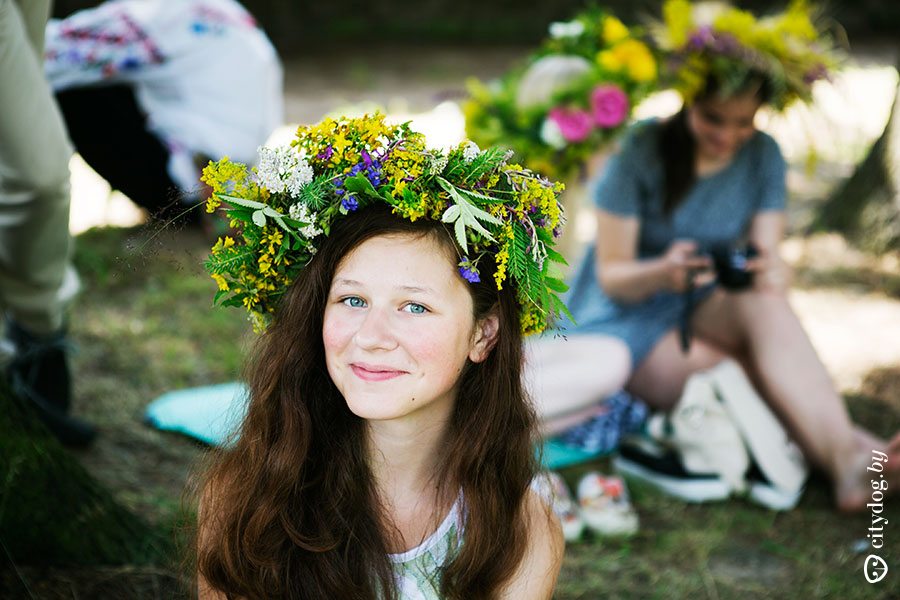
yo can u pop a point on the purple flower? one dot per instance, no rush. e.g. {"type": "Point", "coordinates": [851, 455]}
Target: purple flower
{"type": "Point", "coordinates": [700, 37]}
{"type": "Point", "coordinates": [350, 202]}
{"type": "Point", "coordinates": [326, 154]}
{"type": "Point", "coordinates": [468, 271]}
{"type": "Point", "coordinates": [820, 71]}
{"type": "Point", "coordinates": [370, 168]}
{"type": "Point", "coordinates": [725, 43]}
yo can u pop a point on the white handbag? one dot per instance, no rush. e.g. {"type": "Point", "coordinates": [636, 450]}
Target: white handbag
{"type": "Point", "coordinates": [721, 425]}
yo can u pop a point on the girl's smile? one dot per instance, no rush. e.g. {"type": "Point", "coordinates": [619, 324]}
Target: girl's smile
{"type": "Point", "coordinates": [368, 372]}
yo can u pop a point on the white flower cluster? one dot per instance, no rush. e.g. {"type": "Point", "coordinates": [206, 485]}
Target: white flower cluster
{"type": "Point", "coordinates": [552, 135]}
{"type": "Point", "coordinates": [437, 165]}
{"type": "Point", "coordinates": [301, 212]}
{"type": "Point", "coordinates": [471, 152]}
{"type": "Point", "coordinates": [283, 170]}
{"type": "Point", "coordinates": [506, 156]}
{"type": "Point", "coordinates": [563, 30]}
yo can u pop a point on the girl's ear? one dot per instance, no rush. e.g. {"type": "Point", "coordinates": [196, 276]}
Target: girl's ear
{"type": "Point", "coordinates": [486, 332]}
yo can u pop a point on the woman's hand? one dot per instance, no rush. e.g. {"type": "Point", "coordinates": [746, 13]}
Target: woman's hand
{"type": "Point", "coordinates": [681, 263]}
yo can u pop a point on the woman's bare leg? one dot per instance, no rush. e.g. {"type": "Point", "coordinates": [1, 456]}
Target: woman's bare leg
{"type": "Point", "coordinates": [659, 379]}
{"type": "Point", "coordinates": [761, 329]}
{"type": "Point", "coordinates": [567, 378]}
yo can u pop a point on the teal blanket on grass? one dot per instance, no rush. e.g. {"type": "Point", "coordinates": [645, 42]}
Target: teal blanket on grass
{"type": "Point", "coordinates": [213, 413]}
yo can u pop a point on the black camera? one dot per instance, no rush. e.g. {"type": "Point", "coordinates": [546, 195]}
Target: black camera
{"type": "Point", "coordinates": [730, 263]}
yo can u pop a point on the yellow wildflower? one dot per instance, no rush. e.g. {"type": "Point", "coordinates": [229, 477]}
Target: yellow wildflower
{"type": "Point", "coordinates": [372, 128]}
{"type": "Point", "coordinates": [613, 30]}
{"type": "Point", "coordinates": [274, 238]}
{"type": "Point", "coordinates": [258, 321]}
{"type": "Point", "coordinates": [223, 285]}
{"type": "Point", "coordinates": [338, 143]}
{"type": "Point", "coordinates": [222, 244]}
{"type": "Point", "coordinates": [530, 320]}
{"type": "Point", "coordinates": [739, 23]}
{"type": "Point", "coordinates": [265, 263]}
{"type": "Point", "coordinates": [632, 55]}
{"type": "Point", "coordinates": [796, 23]}
{"type": "Point", "coordinates": [222, 177]}
{"type": "Point", "coordinates": [677, 15]}
{"type": "Point", "coordinates": [692, 77]}
{"type": "Point", "coordinates": [502, 257]}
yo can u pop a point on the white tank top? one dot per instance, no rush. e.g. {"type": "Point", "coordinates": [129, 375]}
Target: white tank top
{"type": "Point", "coordinates": [417, 571]}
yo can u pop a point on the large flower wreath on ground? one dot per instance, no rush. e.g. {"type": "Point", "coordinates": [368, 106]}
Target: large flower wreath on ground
{"type": "Point", "coordinates": [284, 208]}
{"type": "Point", "coordinates": [569, 98]}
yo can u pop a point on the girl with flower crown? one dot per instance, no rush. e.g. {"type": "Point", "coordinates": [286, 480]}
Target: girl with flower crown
{"type": "Point", "coordinates": [708, 177]}
{"type": "Point", "coordinates": [387, 450]}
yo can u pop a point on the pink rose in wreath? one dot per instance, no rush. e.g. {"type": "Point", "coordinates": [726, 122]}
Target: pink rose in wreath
{"type": "Point", "coordinates": [609, 105]}
{"type": "Point", "coordinates": [574, 124]}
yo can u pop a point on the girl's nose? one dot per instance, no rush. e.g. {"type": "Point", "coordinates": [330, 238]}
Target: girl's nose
{"type": "Point", "coordinates": [375, 332]}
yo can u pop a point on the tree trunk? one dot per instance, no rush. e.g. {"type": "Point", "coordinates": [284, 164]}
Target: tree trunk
{"type": "Point", "coordinates": [866, 208]}
{"type": "Point", "coordinates": [52, 512]}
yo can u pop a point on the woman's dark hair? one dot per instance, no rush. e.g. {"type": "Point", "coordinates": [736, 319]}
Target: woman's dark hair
{"type": "Point", "coordinates": [677, 145]}
{"type": "Point", "coordinates": [291, 511]}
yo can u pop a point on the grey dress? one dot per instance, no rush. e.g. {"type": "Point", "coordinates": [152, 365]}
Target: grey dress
{"type": "Point", "coordinates": [719, 207]}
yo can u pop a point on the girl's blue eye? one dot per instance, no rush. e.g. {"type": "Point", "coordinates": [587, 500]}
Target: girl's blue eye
{"type": "Point", "coordinates": [354, 301]}
{"type": "Point", "coordinates": [416, 309]}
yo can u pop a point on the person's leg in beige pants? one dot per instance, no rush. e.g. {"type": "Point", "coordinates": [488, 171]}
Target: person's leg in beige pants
{"type": "Point", "coordinates": [36, 279]}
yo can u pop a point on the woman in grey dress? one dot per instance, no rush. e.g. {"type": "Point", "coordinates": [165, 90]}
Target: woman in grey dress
{"type": "Point", "coordinates": [708, 176]}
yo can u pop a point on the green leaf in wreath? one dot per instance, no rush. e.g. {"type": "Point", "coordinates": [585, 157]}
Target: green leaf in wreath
{"type": "Point", "coordinates": [465, 215]}
{"type": "Point", "coordinates": [360, 184]}
{"type": "Point", "coordinates": [557, 285]}
{"type": "Point", "coordinates": [556, 256]}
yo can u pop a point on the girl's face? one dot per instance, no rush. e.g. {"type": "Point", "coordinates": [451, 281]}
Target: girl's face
{"type": "Point", "coordinates": [398, 329]}
{"type": "Point", "coordinates": [721, 126]}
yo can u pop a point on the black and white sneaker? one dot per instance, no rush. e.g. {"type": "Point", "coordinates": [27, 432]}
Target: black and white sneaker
{"type": "Point", "coordinates": [645, 460]}
{"type": "Point", "coordinates": [764, 492]}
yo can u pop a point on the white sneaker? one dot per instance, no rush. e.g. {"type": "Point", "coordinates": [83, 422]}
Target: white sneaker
{"type": "Point", "coordinates": [603, 500]}
{"type": "Point", "coordinates": [552, 489]}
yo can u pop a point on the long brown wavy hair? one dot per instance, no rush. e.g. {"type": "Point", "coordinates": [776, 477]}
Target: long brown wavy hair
{"type": "Point", "coordinates": [291, 510]}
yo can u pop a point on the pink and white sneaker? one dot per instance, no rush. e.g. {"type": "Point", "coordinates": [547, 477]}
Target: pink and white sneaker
{"type": "Point", "coordinates": [604, 505]}
{"type": "Point", "coordinates": [552, 489]}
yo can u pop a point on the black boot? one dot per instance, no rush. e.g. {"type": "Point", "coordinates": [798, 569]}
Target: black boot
{"type": "Point", "coordinates": [39, 374]}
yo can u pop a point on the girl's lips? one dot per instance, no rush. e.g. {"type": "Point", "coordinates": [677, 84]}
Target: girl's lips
{"type": "Point", "coordinates": [371, 373]}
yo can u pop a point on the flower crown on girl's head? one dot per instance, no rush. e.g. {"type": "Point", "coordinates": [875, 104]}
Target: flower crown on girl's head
{"type": "Point", "coordinates": [285, 207]}
{"type": "Point", "coordinates": [712, 38]}
{"type": "Point", "coordinates": [568, 98]}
